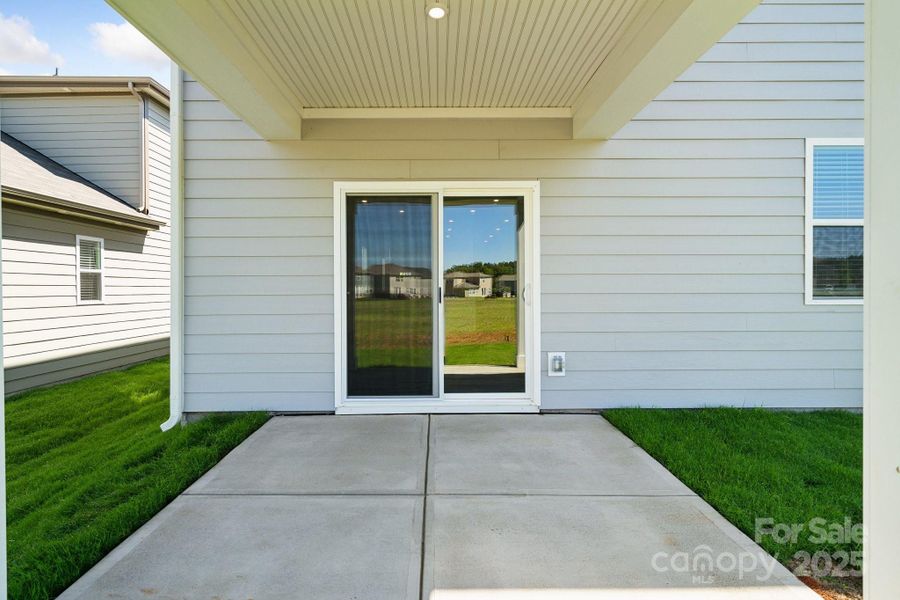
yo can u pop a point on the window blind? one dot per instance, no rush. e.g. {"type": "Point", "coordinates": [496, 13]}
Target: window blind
{"type": "Point", "coordinates": [90, 273]}
{"type": "Point", "coordinates": [90, 286]}
{"type": "Point", "coordinates": [838, 182]}
{"type": "Point", "coordinates": [89, 254]}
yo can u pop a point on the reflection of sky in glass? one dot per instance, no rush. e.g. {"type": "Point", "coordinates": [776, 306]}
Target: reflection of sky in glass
{"type": "Point", "coordinates": [478, 232]}
{"type": "Point", "coordinates": [837, 242]}
{"type": "Point", "coordinates": [396, 231]}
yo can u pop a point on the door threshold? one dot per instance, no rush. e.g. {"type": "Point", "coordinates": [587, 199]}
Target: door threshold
{"type": "Point", "coordinates": [396, 407]}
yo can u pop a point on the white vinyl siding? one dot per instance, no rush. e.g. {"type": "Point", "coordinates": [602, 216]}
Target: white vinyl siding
{"type": "Point", "coordinates": [834, 220]}
{"type": "Point", "coordinates": [672, 255]}
{"type": "Point", "coordinates": [43, 319]}
{"type": "Point", "coordinates": [89, 281]}
{"type": "Point", "coordinates": [49, 334]}
{"type": "Point", "coordinates": [98, 137]}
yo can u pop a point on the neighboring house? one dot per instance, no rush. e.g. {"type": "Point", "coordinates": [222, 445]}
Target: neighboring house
{"type": "Point", "coordinates": [390, 280]}
{"type": "Point", "coordinates": [85, 188]}
{"type": "Point", "coordinates": [468, 285]}
{"type": "Point", "coordinates": [506, 285]}
{"type": "Point", "coordinates": [685, 175]}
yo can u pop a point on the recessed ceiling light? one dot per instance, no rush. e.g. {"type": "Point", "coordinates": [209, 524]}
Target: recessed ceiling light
{"type": "Point", "coordinates": [436, 10]}
{"type": "Point", "coordinates": [365, 201]}
{"type": "Point", "coordinates": [498, 229]}
{"type": "Point", "coordinates": [506, 220]}
{"type": "Point", "coordinates": [492, 235]}
{"type": "Point", "coordinates": [496, 200]}
{"type": "Point", "coordinates": [471, 210]}
{"type": "Point", "coordinates": [402, 211]}
{"type": "Point", "coordinates": [451, 220]}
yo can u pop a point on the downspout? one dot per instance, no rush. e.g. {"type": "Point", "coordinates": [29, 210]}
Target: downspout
{"type": "Point", "coordinates": [176, 337]}
{"type": "Point", "coordinates": [143, 204]}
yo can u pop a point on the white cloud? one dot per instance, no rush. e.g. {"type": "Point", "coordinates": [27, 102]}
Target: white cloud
{"type": "Point", "coordinates": [19, 45]}
{"type": "Point", "coordinates": [123, 41]}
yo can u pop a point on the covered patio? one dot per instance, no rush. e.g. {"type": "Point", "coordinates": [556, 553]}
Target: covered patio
{"type": "Point", "coordinates": [439, 507]}
{"type": "Point", "coordinates": [420, 506]}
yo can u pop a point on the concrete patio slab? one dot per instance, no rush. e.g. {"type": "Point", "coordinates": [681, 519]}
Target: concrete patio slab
{"type": "Point", "coordinates": [565, 507]}
{"type": "Point", "coordinates": [540, 454]}
{"type": "Point", "coordinates": [325, 455]}
{"type": "Point", "coordinates": [267, 547]}
{"type": "Point", "coordinates": [560, 547]}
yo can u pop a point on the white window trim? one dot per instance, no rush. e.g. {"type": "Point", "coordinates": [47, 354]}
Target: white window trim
{"type": "Point", "coordinates": [810, 222]}
{"type": "Point", "coordinates": [79, 270]}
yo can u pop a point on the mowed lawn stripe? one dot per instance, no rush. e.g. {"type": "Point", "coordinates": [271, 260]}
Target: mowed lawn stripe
{"type": "Point", "coordinates": [87, 465]}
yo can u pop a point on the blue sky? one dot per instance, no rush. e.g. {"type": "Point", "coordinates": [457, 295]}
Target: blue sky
{"type": "Point", "coordinates": [81, 37]}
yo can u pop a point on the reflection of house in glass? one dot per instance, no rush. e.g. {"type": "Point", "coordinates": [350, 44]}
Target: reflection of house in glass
{"type": "Point", "coordinates": [392, 281]}
{"type": "Point", "coordinates": [468, 285]}
{"type": "Point", "coordinates": [506, 285]}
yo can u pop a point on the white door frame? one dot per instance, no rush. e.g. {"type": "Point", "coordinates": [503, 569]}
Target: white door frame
{"type": "Point", "coordinates": [530, 400]}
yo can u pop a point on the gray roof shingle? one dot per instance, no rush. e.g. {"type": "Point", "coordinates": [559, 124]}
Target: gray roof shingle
{"type": "Point", "coordinates": [24, 169]}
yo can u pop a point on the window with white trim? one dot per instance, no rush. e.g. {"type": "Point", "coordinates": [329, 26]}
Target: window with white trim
{"type": "Point", "coordinates": [834, 221]}
{"type": "Point", "coordinates": [89, 282]}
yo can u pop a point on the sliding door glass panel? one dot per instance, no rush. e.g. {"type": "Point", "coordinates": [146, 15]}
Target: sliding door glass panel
{"type": "Point", "coordinates": [390, 311]}
{"type": "Point", "coordinates": [484, 350]}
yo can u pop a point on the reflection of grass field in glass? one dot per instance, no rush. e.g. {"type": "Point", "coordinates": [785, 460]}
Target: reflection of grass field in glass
{"type": "Point", "coordinates": [393, 333]}
{"type": "Point", "coordinates": [479, 331]}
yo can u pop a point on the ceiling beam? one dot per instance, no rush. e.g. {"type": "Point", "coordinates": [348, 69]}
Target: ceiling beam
{"type": "Point", "coordinates": [662, 41]}
{"type": "Point", "coordinates": [202, 42]}
{"type": "Point", "coordinates": [473, 112]}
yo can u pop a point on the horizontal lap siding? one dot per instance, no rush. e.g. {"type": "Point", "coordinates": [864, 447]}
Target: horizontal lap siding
{"type": "Point", "coordinates": [42, 320]}
{"type": "Point", "coordinates": [97, 137]}
{"type": "Point", "coordinates": [157, 146]}
{"type": "Point", "coordinates": [694, 294]}
{"type": "Point", "coordinates": [672, 255]}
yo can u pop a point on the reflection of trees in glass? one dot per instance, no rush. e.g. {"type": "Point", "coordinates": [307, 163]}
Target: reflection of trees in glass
{"type": "Point", "coordinates": [841, 276]}
{"type": "Point", "coordinates": [838, 261]}
{"type": "Point", "coordinates": [507, 267]}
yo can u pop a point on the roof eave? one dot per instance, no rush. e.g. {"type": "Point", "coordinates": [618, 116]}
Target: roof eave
{"type": "Point", "coordinates": [25, 85]}
{"type": "Point", "coordinates": [67, 208]}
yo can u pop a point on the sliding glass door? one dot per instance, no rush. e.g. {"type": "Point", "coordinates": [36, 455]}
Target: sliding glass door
{"type": "Point", "coordinates": [434, 309]}
{"type": "Point", "coordinates": [390, 310]}
{"type": "Point", "coordinates": [483, 311]}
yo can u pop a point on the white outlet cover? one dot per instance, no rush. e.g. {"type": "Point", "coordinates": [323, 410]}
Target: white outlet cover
{"type": "Point", "coordinates": [551, 358]}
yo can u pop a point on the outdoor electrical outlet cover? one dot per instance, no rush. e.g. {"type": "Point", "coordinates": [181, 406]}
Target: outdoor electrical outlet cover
{"type": "Point", "coordinates": [556, 364]}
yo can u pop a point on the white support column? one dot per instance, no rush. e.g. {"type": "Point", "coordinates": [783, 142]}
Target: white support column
{"type": "Point", "coordinates": [3, 583]}
{"type": "Point", "coordinates": [881, 497]}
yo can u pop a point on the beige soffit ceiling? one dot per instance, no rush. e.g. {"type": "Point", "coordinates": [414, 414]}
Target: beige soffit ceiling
{"type": "Point", "coordinates": [311, 59]}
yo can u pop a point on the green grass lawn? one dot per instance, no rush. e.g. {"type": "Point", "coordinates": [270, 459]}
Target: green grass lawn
{"type": "Point", "coordinates": [752, 463]}
{"type": "Point", "coordinates": [87, 465]}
